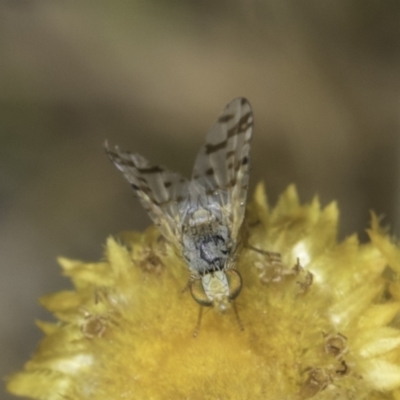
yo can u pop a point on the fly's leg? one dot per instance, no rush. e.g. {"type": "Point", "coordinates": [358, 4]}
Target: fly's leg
{"type": "Point", "coordinates": [272, 268]}
{"type": "Point", "coordinates": [238, 320]}
{"type": "Point", "coordinates": [192, 278]}
{"type": "Point", "coordinates": [197, 329]}
{"type": "Point", "coordinates": [273, 257]}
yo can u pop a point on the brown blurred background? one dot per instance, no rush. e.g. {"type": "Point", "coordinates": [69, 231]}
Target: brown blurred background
{"type": "Point", "coordinates": [152, 76]}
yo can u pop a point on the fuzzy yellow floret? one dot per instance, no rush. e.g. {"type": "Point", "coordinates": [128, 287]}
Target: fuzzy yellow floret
{"type": "Point", "coordinates": [322, 325]}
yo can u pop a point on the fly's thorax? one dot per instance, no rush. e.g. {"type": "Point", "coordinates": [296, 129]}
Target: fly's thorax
{"type": "Point", "coordinates": [217, 289]}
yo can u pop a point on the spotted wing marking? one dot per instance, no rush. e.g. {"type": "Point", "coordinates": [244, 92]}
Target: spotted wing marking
{"type": "Point", "coordinates": [161, 192]}
{"type": "Point", "coordinates": [222, 165]}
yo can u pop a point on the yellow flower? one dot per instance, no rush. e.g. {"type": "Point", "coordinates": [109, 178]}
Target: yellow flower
{"type": "Point", "coordinates": [322, 325]}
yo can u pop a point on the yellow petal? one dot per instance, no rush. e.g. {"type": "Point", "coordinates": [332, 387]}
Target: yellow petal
{"type": "Point", "coordinates": [380, 375]}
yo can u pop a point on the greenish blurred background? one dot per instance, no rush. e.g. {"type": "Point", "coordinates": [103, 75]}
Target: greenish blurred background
{"type": "Point", "coordinates": [152, 76]}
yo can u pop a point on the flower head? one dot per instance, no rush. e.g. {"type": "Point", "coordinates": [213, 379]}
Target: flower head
{"type": "Point", "coordinates": [321, 324]}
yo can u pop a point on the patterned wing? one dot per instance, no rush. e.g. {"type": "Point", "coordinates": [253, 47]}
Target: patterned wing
{"type": "Point", "coordinates": [222, 165]}
{"type": "Point", "coordinates": [161, 192]}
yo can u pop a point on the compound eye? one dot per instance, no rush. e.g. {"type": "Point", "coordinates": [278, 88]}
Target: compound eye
{"type": "Point", "coordinates": [234, 283]}
{"type": "Point", "coordinates": [198, 293]}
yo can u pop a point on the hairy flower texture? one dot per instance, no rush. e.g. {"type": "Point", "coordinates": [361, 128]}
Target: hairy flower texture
{"type": "Point", "coordinates": [324, 324]}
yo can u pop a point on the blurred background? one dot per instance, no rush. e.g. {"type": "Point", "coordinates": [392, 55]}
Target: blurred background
{"type": "Point", "coordinates": [152, 76]}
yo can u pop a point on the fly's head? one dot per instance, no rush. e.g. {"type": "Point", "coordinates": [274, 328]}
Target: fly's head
{"type": "Point", "coordinates": [217, 289]}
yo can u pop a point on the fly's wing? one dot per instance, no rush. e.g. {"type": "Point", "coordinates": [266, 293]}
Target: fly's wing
{"type": "Point", "coordinates": [162, 193]}
{"type": "Point", "coordinates": [222, 165]}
